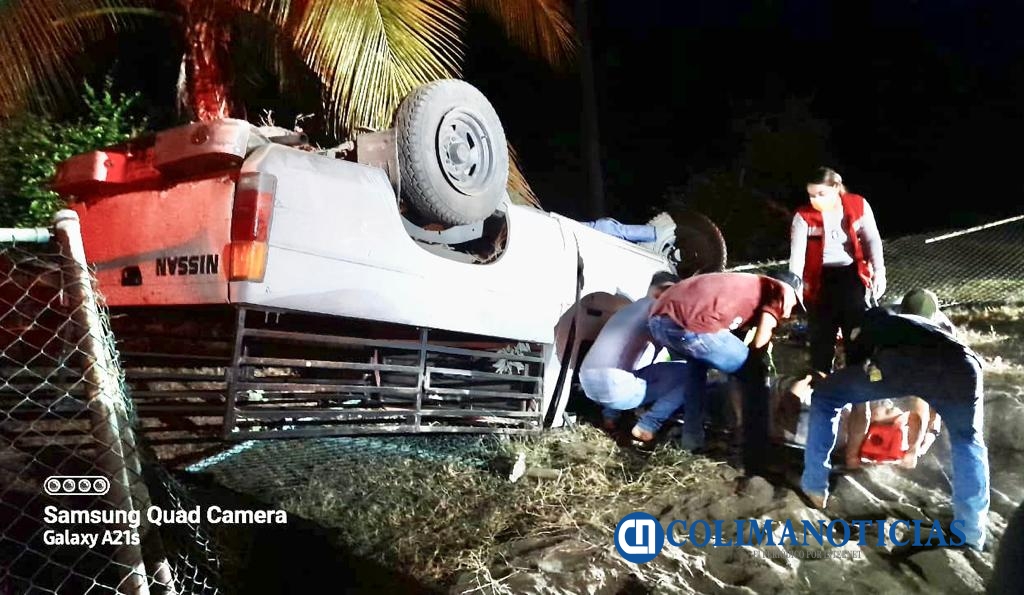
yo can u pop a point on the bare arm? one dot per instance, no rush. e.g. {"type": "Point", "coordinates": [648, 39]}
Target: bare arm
{"type": "Point", "coordinates": [766, 324]}
{"type": "Point", "coordinates": [917, 431]}
{"type": "Point", "coordinates": [917, 424]}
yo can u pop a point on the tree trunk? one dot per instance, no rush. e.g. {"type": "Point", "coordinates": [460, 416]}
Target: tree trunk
{"type": "Point", "coordinates": [207, 61]}
{"type": "Point", "coordinates": [590, 137]}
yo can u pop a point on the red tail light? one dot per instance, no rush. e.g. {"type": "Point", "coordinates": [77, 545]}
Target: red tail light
{"type": "Point", "coordinates": [250, 226]}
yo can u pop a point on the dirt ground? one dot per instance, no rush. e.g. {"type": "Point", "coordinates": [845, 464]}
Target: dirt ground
{"type": "Point", "coordinates": [454, 521]}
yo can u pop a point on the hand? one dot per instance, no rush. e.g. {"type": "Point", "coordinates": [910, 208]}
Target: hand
{"type": "Point", "coordinates": [803, 389]}
{"type": "Point", "coordinates": [878, 284]}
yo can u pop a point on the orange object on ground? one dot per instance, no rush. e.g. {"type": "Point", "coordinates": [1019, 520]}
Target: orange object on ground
{"type": "Point", "coordinates": [883, 443]}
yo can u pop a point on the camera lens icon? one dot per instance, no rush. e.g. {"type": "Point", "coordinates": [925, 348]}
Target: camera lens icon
{"type": "Point", "coordinates": [76, 485]}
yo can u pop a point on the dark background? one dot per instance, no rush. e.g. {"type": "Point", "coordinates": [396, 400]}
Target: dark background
{"type": "Point", "coordinates": [725, 104]}
{"type": "Point", "coordinates": [917, 104]}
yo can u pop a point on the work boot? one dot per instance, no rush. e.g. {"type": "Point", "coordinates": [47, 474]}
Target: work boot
{"type": "Point", "coordinates": [664, 234]}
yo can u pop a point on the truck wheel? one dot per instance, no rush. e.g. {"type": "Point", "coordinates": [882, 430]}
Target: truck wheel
{"type": "Point", "coordinates": [452, 153]}
{"type": "Point", "coordinates": [700, 243]}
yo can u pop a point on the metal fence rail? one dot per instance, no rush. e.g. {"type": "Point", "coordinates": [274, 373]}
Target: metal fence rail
{"type": "Point", "coordinates": [75, 484]}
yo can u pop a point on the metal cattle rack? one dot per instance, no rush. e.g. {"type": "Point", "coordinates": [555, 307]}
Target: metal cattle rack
{"type": "Point", "coordinates": [264, 373]}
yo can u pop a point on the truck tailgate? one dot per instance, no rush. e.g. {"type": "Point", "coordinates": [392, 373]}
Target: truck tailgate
{"type": "Point", "coordinates": [161, 246]}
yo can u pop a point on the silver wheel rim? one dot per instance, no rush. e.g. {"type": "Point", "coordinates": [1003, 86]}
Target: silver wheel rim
{"type": "Point", "coordinates": [465, 152]}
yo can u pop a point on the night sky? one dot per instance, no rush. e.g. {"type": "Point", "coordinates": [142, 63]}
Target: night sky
{"type": "Point", "coordinates": [921, 101]}
{"type": "Point", "coordinates": [917, 104]}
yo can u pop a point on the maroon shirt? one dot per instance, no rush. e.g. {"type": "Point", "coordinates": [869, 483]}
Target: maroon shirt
{"type": "Point", "coordinates": [721, 301]}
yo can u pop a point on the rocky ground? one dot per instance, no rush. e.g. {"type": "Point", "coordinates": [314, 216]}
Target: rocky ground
{"type": "Point", "coordinates": [460, 525]}
{"type": "Point", "coordinates": [882, 492]}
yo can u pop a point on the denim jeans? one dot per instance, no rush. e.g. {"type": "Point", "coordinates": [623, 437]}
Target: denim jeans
{"type": "Point", "coordinates": [630, 233]}
{"type": "Point", "coordinates": [722, 351]}
{"type": "Point", "coordinates": [665, 386]}
{"type": "Point", "coordinates": [953, 388]}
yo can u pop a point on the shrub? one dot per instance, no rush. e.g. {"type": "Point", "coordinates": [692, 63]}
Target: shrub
{"type": "Point", "coordinates": [32, 145]}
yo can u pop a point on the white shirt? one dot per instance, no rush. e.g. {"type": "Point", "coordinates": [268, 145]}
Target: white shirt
{"type": "Point", "coordinates": [838, 248]}
{"type": "Point", "coordinates": [624, 341]}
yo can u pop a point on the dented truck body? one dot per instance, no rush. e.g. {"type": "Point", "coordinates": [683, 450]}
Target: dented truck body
{"type": "Point", "coordinates": [284, 288]}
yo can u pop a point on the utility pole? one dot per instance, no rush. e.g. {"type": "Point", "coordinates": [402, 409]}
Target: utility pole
{"type": "Point", "coordinates": [590, 138]}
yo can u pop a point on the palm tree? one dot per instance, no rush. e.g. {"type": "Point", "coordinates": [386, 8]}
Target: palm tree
{"type": "Point", "coordinates": [367, 54]}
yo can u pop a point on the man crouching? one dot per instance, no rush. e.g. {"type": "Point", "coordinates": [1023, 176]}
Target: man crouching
{"type": "Point", "coordinates": [894, 355]}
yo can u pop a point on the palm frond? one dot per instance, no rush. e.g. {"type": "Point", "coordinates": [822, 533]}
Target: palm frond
{"type": "Point", "coordinates": [371, 53]}
{"type": "Point", "coordinates": [124, 11]}
{"type": "Point", "coordinates": [274, 10]}
{"type": "Point", "coordinates": [519, 189]}
{"type": "Point", "coordinates": [39, 39]}
{"type": "Point", "coordinates": [541, 27]}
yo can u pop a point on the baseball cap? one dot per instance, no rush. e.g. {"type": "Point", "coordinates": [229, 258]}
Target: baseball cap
{"type": "Point", "coordinates": [921, 302]}
{"type": "Point", "coordinates": [793, 280]}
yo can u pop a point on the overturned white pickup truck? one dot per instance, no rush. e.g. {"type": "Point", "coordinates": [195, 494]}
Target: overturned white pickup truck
{"type": "Point", "coordinates": [391, 287]}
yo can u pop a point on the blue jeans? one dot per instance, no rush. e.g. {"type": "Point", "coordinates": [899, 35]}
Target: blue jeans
{"type": "Point", "coordinates": [664, 386]}
{"type": "Point", "coordinates": [953, 388]}
{"type": "Point", "coordinates": [630, 233]}
{"type": "Point", "coordinates": [722, 351]}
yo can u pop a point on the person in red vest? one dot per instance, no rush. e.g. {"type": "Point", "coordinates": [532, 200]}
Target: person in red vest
{"type": "Point", "coordinates": [836, 250]}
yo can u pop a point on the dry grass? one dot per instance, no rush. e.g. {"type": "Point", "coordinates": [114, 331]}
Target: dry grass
{"type": "Point", "coordinates": [996, 333]}
{"type": "Point", "coordinates": [988, 316]}
{"type": "Point", "coordinates": [435, 520]}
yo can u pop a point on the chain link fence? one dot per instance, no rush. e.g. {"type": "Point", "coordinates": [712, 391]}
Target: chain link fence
{"type": "Point", "coordinates": [285, 465]}
{"type": "Point", "coordinates": [76, 487]}
{"type": "Point", "coordinates": [982, 265]}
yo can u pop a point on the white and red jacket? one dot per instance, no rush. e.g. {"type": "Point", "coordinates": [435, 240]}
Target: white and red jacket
{"type": "Point", "coordinates": [808, 243]}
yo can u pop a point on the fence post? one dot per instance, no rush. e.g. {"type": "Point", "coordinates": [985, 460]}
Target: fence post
{"type": "Point", "coordinates": [102, 386]}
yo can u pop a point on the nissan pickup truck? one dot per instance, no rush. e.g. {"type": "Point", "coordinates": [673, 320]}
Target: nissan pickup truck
{"type": "Point", "coordinates": [388, 285]}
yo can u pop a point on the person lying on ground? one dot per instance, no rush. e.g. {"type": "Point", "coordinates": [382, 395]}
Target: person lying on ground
{"type": "Point", "coordinates": [920, 302]}
{"type": "Point", "coordinates": [916, 420]}
{"type": "Point", "coordinates": [897, 355]}
{"type": "Point", "coordinates": [912, 417]}
{"type": "Point", "coordinates": [610, 375]}
{"type": "Point", "coordinates": [695, 320]}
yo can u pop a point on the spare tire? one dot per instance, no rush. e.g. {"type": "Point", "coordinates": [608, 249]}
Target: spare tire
{"type": "Point", "coordinates": [452, 153]}
{"type": "Point", "coordinates": [701, 245]}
